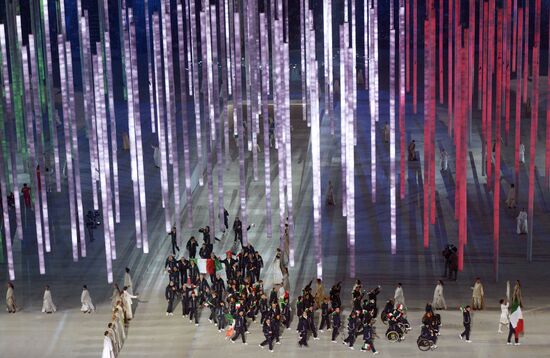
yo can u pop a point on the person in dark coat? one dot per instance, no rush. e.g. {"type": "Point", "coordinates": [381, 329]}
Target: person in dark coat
{"type": "Point", "coordinates": [336, 323]}
{"type": "Point", "coordinates": [453, 266]}
{"type": "Point", "coordinates": [170, 294]}
{"type": "Point", "coordinates": [268, 334]}
{"type": "Point", "coordinates": [352, 328]}
{"type": "Point", "coordinates": [325, 315]}
{"type": "Point", "coordinates": [220, 314]}
{"type": "Point", "coordinates": [368, 337]}
{"type": "Point", "coordinates": [174, 240]}
{"type": "Point", "coordinates": [185, 298]}
{"type": "Point", "coordinates": [194, 308]}
{"type": "Point", "coordinates": [240, 324]}
{"type": "Point", "coordinates": [205, 231]}
{"type": "Point", "coordinates": [238, 230]}
{"type": "Point", "coordinates": [303, 326]}
{"type": "Point", "coordinates": [194, 273]}
{"type": "Point", "coordinates": [286, 313]}
{"type": "Point", "coordinates": [335, 295]}
{"type": "Point", "coordinates": [311, 321]}
{"type": "Point", "coordinates": [467, 322]}
{"type": "Point", "coordinates": [192, 247]}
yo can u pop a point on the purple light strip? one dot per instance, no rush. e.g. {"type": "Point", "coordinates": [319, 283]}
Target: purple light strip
{"type": "Point", "coordinates": [343, 113]}
{"type": "Point", "coordinates": [32, 159]}
{"type": "Point", "coordinates": [76, 157]}
{"type": "Point", "coordinates": [226, 31]}
{"type": "Point", "coordinates": [13, 138]}
{"type": "Point", "coordinates": [3, 186]}
{"type": "Point", "coordinates": [187, 36]}
{"type": "Point", "coordinates": [184, 118]}
{"type": "Point", "coordinates": [265, 116]}
{"type": "Point", "coordinates": [167, 50]}
{"type": "Point", "coordinates": [218, 122]}
{"type": "Point", "coordinates": [132, 133]}
{"type": "Point", "coordinates": [149, 66]}
{"type": "Point", "coordinates": [138, 131]}
{"type": "Point", "coordinates": [354, 70]}
{"type": "Point", "coordinates": [160, 113]}
{"type": "Point", "coordinates": [68, 151]}
{"type": "Point", "coordinates": [303, 66]}
{"type": "Point", "coordinates": [102, 147]}
{"type": "Point", "coordinates": [196, 89]}
{"type": "Point", "coordinates": [237, 106]}
{"type": "Point", "coordinates": [112, 118]}
{"type": "Point", "coordinates": [288, 155]}
{"type": "Point", "coordinates": [51, 106]}
{"type": "Point", "coordinates": [393, 187]}
{"type": "Point", "coordinates": [328, 66]}
{"type": "Point", "coordinates": [39, 153]}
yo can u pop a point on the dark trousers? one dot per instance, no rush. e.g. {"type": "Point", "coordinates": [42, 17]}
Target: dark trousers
{"type": "Point", "coordinates": [239, 332]}
{"type": "Point", "coordinates": [512, 331]}
{"type": "Point", "coordinates": [174, 247]}
{"type": "Point", "coordinates": [184, 308]}
{"type": "Point", "coordinates": [221, 322]}
{"type": "Point", "coordinates": [325, 321]}
{"type": "Point", "coordinates": [276, 330]}
{"type": "Point", "coordinates": [212, 316]}
{"type": "Point", "coordinates": [303, 338]}
{"type": "Point", "coordinates": [368, 342]}
{"type": "Point", "coordinates": [269, 341]}
{"type": "Point", "coordinates": [447, 268]}
{"type": "Point", "coordinates": [453, 273]}
{"type": "Point", "coordinates": [313, 330]}
{"type": "Point", "coordinates": [350, 340]}
{"type": "Point", "coordinates": [466, 333]}
{"type": "Point", "coordinates": [335, 332]}
{"type": "Point", "coordinates": [170, 307]}
{"type": "Point", "coordinates": [193, 313]}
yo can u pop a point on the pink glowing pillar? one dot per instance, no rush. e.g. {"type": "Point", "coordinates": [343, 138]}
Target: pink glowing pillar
{"type": "Point", "coordinates": [534, 128]}
{"type": "Point", "coordinates": [402, 85]}
{"type": "Point", "coordinates": [519, 73]}
{"type": "Point", "coordinates": [407, 45]}
{"type": "Point", "coordinates": [515, 26]}
{"type": "Point", "coordinates": [441, 79]}
{"type": "Point", "coordinates": [415, 56]}
{"type": "Point", "coordinates": [450, 67]}
{"type": "Point", "coordinates": [496, 191]}
{"type": "Point", "coordinates": [393, 189]}
{"type": "Point", "coordinates": [526, 49]}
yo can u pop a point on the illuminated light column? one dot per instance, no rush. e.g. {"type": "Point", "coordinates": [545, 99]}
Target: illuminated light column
{"type": "Point", "coordinates": [32, 158]}
{"type": "Point", "coordinates": [354, 70]}
{"type": "Point", "coordinates": [194, 70]}
{"type": "Point", "coordinates": [167, 50]}
{"type": "Point", "coordinates": [462, 228]}
{"type": "Point", "coordinates": [472, 63]}
{"type": "Point", "coordinates": [450, 67]}
{"type": "Point", "coordinates": [76, 156]}
{"type": "Point", "coordinates": [237, 106]}
{"type": "Point", "coordinates": [217, 120]}
{"type": "Point", "coordinates": [526, 50]}
{"type": "Point", "coordinates": [485, 64]}
{"type": "Point", "coordinates": [519, 72]}
{"type": "Point", "coordinates": [288, 155]}
{"type": "Point", "coordinates": [373, 92]}
{"type": "Point", "coordinates": [440, 37]}
{"type": "Point", "coordinates": [407, 45]}
{"type": "Point", "coordinates": [393, 190]}
{"type": "Point", "coordinates": [138, 136]}
{"type": "Point", "coordinates": [100, 125]}
{"type": "Point", "coordinates": [5, 207]}
{"type": "Point", "coordinates": [150, 60]}
{"type": "Point", "coordinates": [68, 151]}
{"type": "Point", "coordinates": [89, 107]}
{"type": "Point", "coordinates": [534, 129]}
{"type": "Point", "coordinates": [498, 120]}
{"type": "Point", "coordinates": [264, 60]}
{"type": "Point", "coordinates": [547, 148]}
{"type": "Point", "coordinates": [482, 33]}
{"type": "Point", "coordinates": [427, 134]}
{"type": "Point", "coordinates": [225, 32]}
{"type": "Point", "coordinates": [160, 119]}
{"type": "Point", "coordinates": [506, 67]}
{"type": "Point", "coordinates": [132, 134]}
{"type": "Point", "coordinates": [402, 98]}
{"type": "Point", "coordinates": [184, 118]}
{"type": "Point", "coordinates": [515, 25]}
{"type": "Point", "coordinates": [51, 107]}
{"type": "Point", "coordinates": [343, 124]}
{"type": "Point", "coordinates": [112, 119]}
{"type": "Point", "coordinates": [35, 95]}
{"type": "Point", "coordinates": [304, 30]}
{"type": "Point", "coordinates": [415, 55]}
{"type": "Point", "coordinates": [13, 138]}
{"type": "Point", "coordinates": [328, 66]}
{"type": "Point", "coordinates": [489, 96]}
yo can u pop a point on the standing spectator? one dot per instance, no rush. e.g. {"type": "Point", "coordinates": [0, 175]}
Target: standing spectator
{"type": "Point", "coordinates": [10, 299]}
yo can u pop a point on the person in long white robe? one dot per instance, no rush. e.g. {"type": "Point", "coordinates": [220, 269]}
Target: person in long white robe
{"type": "Point", "coordinates": [399, 297]}
{"type": "Point", "coordinates": [277, 273]}
{"type": "Point", "coordinates": [511, 198]}
{"type": "Point", "coordinates": [477, 295]}
{"type": "Point", "coordinates": [115, 339]}
{"type": "Point", "coordinates": [522, 153]}
{"type": "Point", "coordinates": [522, 222]}
{"type": "Point", "coordinates": [444, 160]}
{"type": "Point", "coordinates": [108, 351]}
{"type": "Point", "coordinates": [127, 302]}
{"type": "Point", "coordinates": [47, 302]}
{"type": "Point", "coordinates": [86, 301]}
{"type": "Point", "coordinates": [10, 299]}
{"type": "Point", "coordinates": [438, 302]}
{"type": "Point", "coordinates": [128, 281]}
{"type": "Point", "coordinates": [504, 316]}
{"type": "Point", "coordinates": [115, 297]}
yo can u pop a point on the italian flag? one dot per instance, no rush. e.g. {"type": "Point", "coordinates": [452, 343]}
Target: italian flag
{"type": "Point", "coordinates": [516, 318]}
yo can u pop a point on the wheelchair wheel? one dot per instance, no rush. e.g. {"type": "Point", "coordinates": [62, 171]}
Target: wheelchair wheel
{"type": "Point", "coordinates": [424, 344]}
{"type": "Point", "coordinates": [392, 336]}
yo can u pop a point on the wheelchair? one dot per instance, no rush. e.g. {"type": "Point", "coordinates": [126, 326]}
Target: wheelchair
{"type": "Point", "coordinates": [425, 344]}
{"type": "Point", "coordinates": [395, 333]}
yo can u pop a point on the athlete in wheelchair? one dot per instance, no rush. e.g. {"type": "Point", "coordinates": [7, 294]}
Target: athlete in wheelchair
{"type": "Point", "coordinates": [398, 325]}
{"type": "Point", "coordinates": [388, 308]}
{"type": "Point", "coordinates": [427, 339]}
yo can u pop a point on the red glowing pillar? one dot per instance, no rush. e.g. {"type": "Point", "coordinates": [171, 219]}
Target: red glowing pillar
{"type": "Point", "coordinates": [534, 126]}
{"type": "Point", "coordinates": [407, 46]}
{"type": "Point", "coordinates": [496, 192]}
{"type": "Point", "coordinates": [489, 117]}
{"type": "Point", "coordinates": [525, 89]}
{"type": "Point", "coordinates": [427, 132]}
{"type": "Point", "coordinates": [507, 71]}
{"type": "Point", "coordinates": [450, 67]}
{"type": "Point", "coordinates": [415, 55]}
{"type": "Point", "coordinates": [484, 85]}
{"type": "Point", "coordinates": [515, 25]}
{"type": "Point", "coordinates": [441, 79]}
{"type": "Point", "coordinates": [518, 99]}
